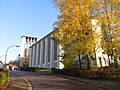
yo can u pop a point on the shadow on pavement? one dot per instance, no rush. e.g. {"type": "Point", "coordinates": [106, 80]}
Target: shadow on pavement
{"type": "Point", "coordinates": [16, 83]}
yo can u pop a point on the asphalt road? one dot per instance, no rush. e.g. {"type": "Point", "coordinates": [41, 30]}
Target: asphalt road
{"type": "Point", "coordinates": [53, 82]}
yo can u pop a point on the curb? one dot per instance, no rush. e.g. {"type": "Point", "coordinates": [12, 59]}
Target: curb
{"type": "Point", "coordinates": [75, 79]}
{"type": "Point", "coordinates": [29, 87]}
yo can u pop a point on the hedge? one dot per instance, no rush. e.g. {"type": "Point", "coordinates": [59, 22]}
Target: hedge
{"type": "Point", "coordinates": [106, 73]}
{"type": "Point", "coordinates": [28, 69]}
{"type": "Point", "coordinates": [4, 76]}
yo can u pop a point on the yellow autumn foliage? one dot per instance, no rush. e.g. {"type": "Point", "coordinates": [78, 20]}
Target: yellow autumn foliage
{"type": "Point", "coordinates": [74, 32]}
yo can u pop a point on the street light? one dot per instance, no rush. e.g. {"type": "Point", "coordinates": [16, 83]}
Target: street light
{"type": "Point", "coordinates": [7, 51]}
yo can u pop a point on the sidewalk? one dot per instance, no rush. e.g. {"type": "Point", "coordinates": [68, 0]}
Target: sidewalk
{"type": "Point", "coordinates": [18, 83]}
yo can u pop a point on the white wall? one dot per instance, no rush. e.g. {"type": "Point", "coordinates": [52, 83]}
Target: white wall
{"type": "Point", "coordinates": [34, 57]}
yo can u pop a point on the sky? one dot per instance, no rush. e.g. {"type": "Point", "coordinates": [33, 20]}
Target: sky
{"type": "Point", "coordinates": [24, 17]}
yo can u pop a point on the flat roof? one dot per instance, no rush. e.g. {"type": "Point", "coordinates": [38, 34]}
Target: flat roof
{"type": "Point", "coordinates": [28, 36]}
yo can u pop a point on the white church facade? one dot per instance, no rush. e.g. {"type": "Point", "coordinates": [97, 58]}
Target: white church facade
{"type": "Point", "coordinates": [45, 53]}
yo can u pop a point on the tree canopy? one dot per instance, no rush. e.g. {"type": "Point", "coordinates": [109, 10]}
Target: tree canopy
{"type": "Point", "coordinates": [74, 29]}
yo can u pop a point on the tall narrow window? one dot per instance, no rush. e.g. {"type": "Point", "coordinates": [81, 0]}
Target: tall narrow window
{"type": "Point", "coordinates": [55, 50]}
{"type": "Point", "coordinates": [49, 50]}
{"type": "Point", "coordinates": [39, 53]}
{"type": "Point", "coordinates": [35, 55]}
{"type": "Point", "coordinates": [31, 55]}
{"type": "Point", "coordinates": [43, 51]}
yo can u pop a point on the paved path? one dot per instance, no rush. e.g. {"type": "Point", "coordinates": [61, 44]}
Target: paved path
{"type": "Point", "coordinates": [105, 84]}
{"type": "Point", "coordinates": [46, 82]}
{"type": "Point", "coordinates": [59, 82]}
{"type": "Point", "coordinates": [18, 83]}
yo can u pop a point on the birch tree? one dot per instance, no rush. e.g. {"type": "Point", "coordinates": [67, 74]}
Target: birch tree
{"type": "Point", "coordinates": [73, 29]}
{"type": "Point", "coordinates": [108, 12]}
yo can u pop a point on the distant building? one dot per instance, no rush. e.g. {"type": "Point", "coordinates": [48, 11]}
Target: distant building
{"type": "Point", "coordinates": [6, 66]}
{"type": "Point", "coordinates": [13, 67]}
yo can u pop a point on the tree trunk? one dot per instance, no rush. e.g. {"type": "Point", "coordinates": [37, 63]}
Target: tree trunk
{"type": "Point", "coordinates": [88, 62]}
{"type": "Point", "coordinates": [108, 59]}
{"type": "Point", "coordinates": [95, 59]}
{"type": "Point", "coordinates": [79, 61]}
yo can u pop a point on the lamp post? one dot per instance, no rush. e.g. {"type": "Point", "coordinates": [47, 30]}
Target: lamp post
{"type": "Point", "coordinates": [7, 51]}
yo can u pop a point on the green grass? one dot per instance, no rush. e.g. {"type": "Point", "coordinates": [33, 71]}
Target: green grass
{"type": "Point", "coordinates": [44, 71]}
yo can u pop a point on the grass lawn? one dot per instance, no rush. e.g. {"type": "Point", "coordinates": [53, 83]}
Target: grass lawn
{"type": "Point", "coordinates": [44, 71]}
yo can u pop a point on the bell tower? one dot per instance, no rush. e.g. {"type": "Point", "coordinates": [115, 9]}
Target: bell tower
{"type": "Point", "coordinates": [27, 41]}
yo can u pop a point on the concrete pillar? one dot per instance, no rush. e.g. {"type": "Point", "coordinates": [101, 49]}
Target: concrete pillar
{"type": "Point", "coordinates": [37, 54]}
{"type": "Point", "coordinates": [57, 57]}
{"type": "Point", "coordinates": [51, 53]}
{"type": "Point", "coordinates": [39, 49]}
{"type": "Point", "coordinates": [30, 58]}
{"type": "Point", "coordinates": [46, 52]}
{"type": "Point", "coordinates": [41, 53]}
{"type": "Point", "coordinates": [33, 58]}
{"type": "Point", "coordinates": [35, 48]}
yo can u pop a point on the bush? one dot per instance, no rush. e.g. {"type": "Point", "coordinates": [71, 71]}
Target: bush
{"type": "Point", "coordinates": [109, 72]}
{"type": "Point", "coordinates": [103, 73]}
{"type": "Point", "coordinates": [88, 73]}
{"type": "Point", "coordinates": [28, 69]}
{"type": "Point", "coordinates": [80, 73]}
{"type": "Point", "coordinates": [4, 76]}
